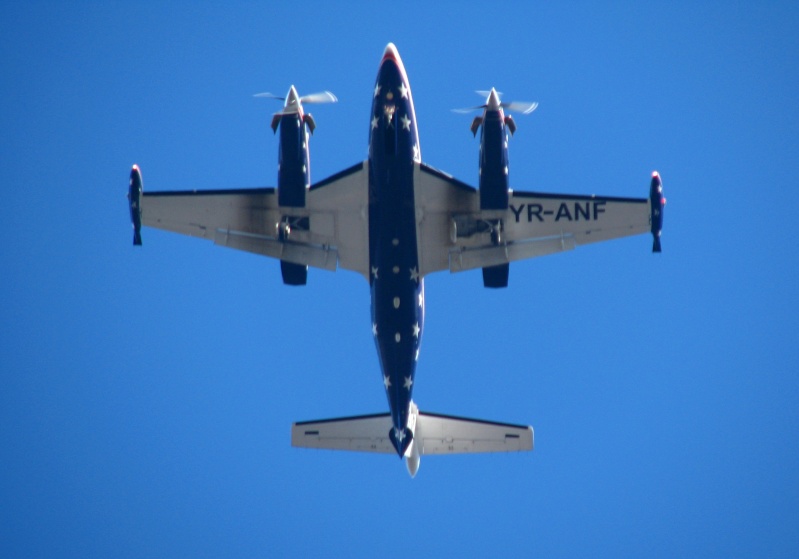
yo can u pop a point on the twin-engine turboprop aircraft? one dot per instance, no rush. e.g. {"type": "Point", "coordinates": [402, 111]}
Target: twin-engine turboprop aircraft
{"type": "Point", "coordinates": [394, 220]}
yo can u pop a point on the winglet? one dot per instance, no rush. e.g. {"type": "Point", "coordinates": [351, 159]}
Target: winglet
{"type": "Point", "coordinates": [657, 202]}
{"type": "Point", "coordinates": [134, 199]}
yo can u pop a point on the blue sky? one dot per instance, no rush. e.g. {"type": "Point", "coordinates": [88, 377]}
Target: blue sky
{"type": "Point", "coordinates": [147, 394]}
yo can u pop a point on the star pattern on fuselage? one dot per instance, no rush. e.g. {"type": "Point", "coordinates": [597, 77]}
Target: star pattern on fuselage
{"type": "Point", "coordinates": [392, 101]}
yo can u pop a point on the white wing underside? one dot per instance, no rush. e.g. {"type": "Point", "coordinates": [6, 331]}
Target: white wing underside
{"type": "Point", "coordinates": [434, 434]}
{"type": "Point", "coordinates": [337, 232]}
{"type": "Point", "coordinates": [454, 234]}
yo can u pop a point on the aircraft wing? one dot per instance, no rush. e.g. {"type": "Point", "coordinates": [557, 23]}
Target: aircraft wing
{"type": "Point", "coordinates": [331, 231]}
{"type": "Point", "coordinates": [455, 234]}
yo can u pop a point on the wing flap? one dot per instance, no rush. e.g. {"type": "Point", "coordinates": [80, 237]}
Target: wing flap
{"type": "Point", "coordinates": [443, 434]}
{"type": "Point", "coordinates": [461, 259]}
{"type": "Point", "coordinates": [299, 253]}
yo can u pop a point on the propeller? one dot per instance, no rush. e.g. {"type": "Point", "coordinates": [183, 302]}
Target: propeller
{"type": "Point", "coordinates": [293, 100]}
{"type": "Point", "coordinates": [492, 102]}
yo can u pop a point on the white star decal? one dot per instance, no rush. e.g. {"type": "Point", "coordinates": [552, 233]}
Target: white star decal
{"type": "Point", "coordinates": [375, 120]}
{"type": "Point", "coordinates": [377, 90]}
{"type": "Point", "coordinates": [421, 299]}
{"type": "Point", "coordinates": [416, 329]}
{"type": "Point", "coordinates": [400, 434]}
{"type": "Point", "coordinates": [406, 123]}
{"type": "Point", "coordinates": [416, 153]}
{"type": "Point", "coordinates": [374, 271]}
{"type": "Point", "coordinates": [408, 383]}
{"type": "Point", "coordinates": [403, 90]}
{"type": "Point", "coordinates": [374, 328]}
{"type": "Point", "coordinates": [414, 274]}
{"type": "Point", "coordinates": [386, 381]}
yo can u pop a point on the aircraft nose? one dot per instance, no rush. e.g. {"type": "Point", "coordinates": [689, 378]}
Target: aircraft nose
{"type": "Point", "coordinates": [391, 52]}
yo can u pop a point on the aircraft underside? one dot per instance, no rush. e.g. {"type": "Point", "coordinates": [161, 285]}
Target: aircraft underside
{"type": "Point", "coordinates": [394, 220]}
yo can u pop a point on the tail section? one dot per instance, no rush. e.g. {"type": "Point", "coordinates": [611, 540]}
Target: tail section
{"type": "Point", "coordinates": [426, 433]}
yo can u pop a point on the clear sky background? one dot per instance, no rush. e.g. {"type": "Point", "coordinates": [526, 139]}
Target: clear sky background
{"type": "Point", "coordinates": [147, 393]}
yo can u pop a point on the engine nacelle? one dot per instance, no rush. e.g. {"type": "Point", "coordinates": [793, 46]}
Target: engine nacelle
{"type": "Point", "coordinates": [293, 180]}
{"type": "Point", "coordinates": [494, 185]}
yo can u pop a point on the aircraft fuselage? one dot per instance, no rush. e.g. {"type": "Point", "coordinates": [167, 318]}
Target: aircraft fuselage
{"type": "Point", "coordinates": [397, 289]}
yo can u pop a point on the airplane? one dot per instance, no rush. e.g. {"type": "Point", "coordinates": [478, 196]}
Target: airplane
{"type": "Point", "coordinates": [394, 220]}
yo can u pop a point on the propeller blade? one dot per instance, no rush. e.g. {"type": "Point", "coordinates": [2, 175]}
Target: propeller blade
{"type": "Point", "coordinates": [270, 96]}
{"type": "Point", "coordinates": [520, 107]}
{"type": "Point", "coordinates": [486, 93]}
{"type": "Point", "coordinates": [323, 97]}
{"type": "Point", "coordinates": [469, 109]}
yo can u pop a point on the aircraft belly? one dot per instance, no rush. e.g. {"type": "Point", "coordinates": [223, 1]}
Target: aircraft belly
{"type": "Point", "coordinates": [397, 288]}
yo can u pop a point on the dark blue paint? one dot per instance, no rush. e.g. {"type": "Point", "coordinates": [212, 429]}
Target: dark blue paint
{"type": "Point", "coordinates": [293, 173]}
{"type": "Point", "coordinates": [134, 198]}
{"type": "Point", "coordinates": [657, 204]}
{"type": "Point", "coordinates": [494, 181]}
{"type": "Point", "coordinates": [493, 162]}
{"type": "Point", "coordinates": [397, 293]}
{"type": "Point", "coordinates": [293, 179]}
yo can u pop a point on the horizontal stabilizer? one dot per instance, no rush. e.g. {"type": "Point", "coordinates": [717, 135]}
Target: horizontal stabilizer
{"type": "Point", "coordinates": [435, 434]}
{"type": "Point", "coordinates": [443, 434]}
{"type": "Point", "coordinates": [366, 433]}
